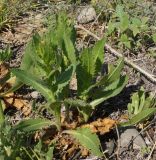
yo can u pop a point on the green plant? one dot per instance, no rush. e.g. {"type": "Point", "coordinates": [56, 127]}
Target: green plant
{"type": "Point", "coordinates": [12, 147]}
{"type": "Point", "coordinates": [50, 62]}
{"type": "Point", "coordinates": [131, 30]}
{"type": "Point", "coordinates": [141, 107]}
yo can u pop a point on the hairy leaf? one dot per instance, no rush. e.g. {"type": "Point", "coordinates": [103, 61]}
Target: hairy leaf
{"type": "Point", "coordinates": [144, 114]}
{"type": "Point", "coordinates": [114, 74]}
{"type": "Point", "coordinates": [31, 80]}
{"type": "Point", "coordinates": [30, 125]}
{"type": "Point", "coordinates": [69, 46]}
{"type": "Point", "coordinates": [64, 78]}
{"type": "Point", "coordinates": [109, 93]}
{"type": "Point", "coordinates": [76, 102]}
{"type": "Point", "coordinates": [87, 139]}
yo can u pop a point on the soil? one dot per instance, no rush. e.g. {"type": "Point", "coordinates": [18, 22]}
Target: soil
{"type": "Point", "coordinates": [34, 21]}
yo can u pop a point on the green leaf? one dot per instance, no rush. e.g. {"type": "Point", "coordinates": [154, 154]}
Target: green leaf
{"type": "Point", "coordinates": [123, 17]}
{"type": "Point", "coordinates": [55, 109]}
{"type": "Point", "coordinates": [113, 75]}
{"type": "Point", "coordinates": [5, 54]}
{"type": "Point", "coordinates": [31, 125]}
{"type": "Point", "coordinates": [84, 108]}
{"type": "Point", "coordinates": [143, 115]}
{"type": "Point", "coordinates": [64, 78]}
{"type": "Point", "coordinates": [76, 102]}
{"type": "Point", "coordinates": [124, 39]}
{"type": "Point", "coordinates": [98, 54]}
{"type": "Point", "coordinates": [27, 61]}
{"type": "Point", "coordinates": [69, 46]}
{"type": "Point", "coordinates": [49, 155]}
{"type": "Point", "coordinates": [134, 29]}
{"type": "Point", "coordinates": [87, 139]}
{"type": "Point", "coordinates": [33, 81]}
{"type": "Point", "coordinates": [85, 71]}
{"type": "Point", "coordinates": [154, 37]}
{"type": "Point", "coordinates": [136, 21]}
{"type": "Point", "coordinates": [91, 60]}
{"type": "Point", "coordinates": [2, 118]}
{"type": "Point", "coordinates": [104, 95]}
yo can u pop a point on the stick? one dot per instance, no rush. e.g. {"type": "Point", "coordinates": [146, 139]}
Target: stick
{"type": "Point", "coordinates": [117, 54]}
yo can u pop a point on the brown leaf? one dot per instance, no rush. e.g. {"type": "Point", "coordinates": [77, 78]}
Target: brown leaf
{"type": "Point", "coordinates": [101, 126]}
{"type": "Point", "coordinates": [19, 104]}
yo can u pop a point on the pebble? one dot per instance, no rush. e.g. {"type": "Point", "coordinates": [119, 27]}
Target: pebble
{"type": "Point", "coordinates": [127, 134]}
{"type": "Point", "coordinates": [35, 94]}
{"type": "Point", "coordinates": [86, 15]}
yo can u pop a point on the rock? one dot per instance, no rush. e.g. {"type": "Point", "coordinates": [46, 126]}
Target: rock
{"type": "Point", "coordinates": [86, 15]}
{"type": "Point", "coordinates": [35, 94]}
{"type": "Point", "coordinates": [110, 145]}
{"type": "Point", "coordinates": [127, 134]}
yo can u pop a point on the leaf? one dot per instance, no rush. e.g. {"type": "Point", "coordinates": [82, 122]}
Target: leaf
{"type": "Point", "coordinates": [18, 103]}
{"type": "Point", "coordinates": [87, 139]}
{"type": "Point", "coordinates": [27, 61]}
{"type": "Point", "coordinates": [136, 22]}
{"type": "Point", "coordinates": [98, 54]}
{"type": "Point", "coordinates": [31, 125]}
{"type": "Point", "coordinates": [124, 39]}
{"type": "Point", "coordinates": [101, 126]}
{"type": "Point", "coordinates": [49, 155]}
{"type": "Point", "coordinates": [55, 109]}
{"type": "Point", "coordinates": [144, 114]}
{"type": "Point", "coordinates": [123, 17]}
{"type": "Point", "coordinates": [5, 54]}
{"type": "Point", "coordinates": [84, 108]}
{"type": "Point", "coordinates": [2, 118]}
{"type": "Point", "coordinates": [85, 71]}
{"type": "Point", "coordinates": [76, 102]}
{"type": "Point", "coordinates": [113, 75]}
{"type": "Point", "coordinates": [134, 29]}
{"type": "Point", "coordinates": [31, 80]}
{"type": "Point", "coordinates": [154, 37]}
{"type": "Point", "coordinates": [109, 93]}
{"type": "Point", "coordinates": [64, 78]}
{"type": "Point", "coordinates": [91, 60]}
{"type": "Point", "coordinates": [69, 46]}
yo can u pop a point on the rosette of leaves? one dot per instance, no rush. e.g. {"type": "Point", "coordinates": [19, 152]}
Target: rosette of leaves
{"type": "Point", "coordinates": [142, 107]}
{"type": "Point", "coordinates": [53, 60]}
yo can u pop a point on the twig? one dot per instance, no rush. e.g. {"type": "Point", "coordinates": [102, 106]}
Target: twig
{"type": "Point", "coordinates": [117, 54]}
{"type": "Point", "coordinates": [119, 142]}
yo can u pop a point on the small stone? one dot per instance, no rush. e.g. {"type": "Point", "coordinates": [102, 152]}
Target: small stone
{"type": "Point", "coordinates": [110, 145]}
{"type": "Point", "coordinates": [86, 15]}
{"type": "Point", "coordinates": [35, 94]}
{"type": "Point", "coordinates": [127, 134]}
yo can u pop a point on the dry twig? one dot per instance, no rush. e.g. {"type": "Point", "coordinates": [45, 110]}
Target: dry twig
{"type": "Point", "coordinates": [117, 54]}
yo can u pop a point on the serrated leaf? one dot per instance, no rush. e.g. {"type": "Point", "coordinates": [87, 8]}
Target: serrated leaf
{"type": "Point", "coordinates": [69, 46]}
{"type": "Point", "coordinates": [31, 125]}
{"type": "Point", "coordinates": [84, 108]}
{"type": "Point", "coordinates": [85, 71]}
{"type": "Point", "coordinates": [98, 54]}
{"type": "Point", "coordinates": [136, 21]}
{"type": "Point", "coordinates": [91, 60]}
{"type": "Point", "coordinates": [87, 139]}
{"type": "Point", "coordinates": [109, 93]}
{"type": "Point", "coordinates": [64, 78]}
{"type": "Point", "coordinates": [76, 102]}
{"type": "Point", "coordinates": [113, 75]}
{"type": "Point", "coordinates": [144, 114]}
{"type": "Point", "coordinates": [123, 17]}
{"type": "Point", "coordinates": [36, 83]}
